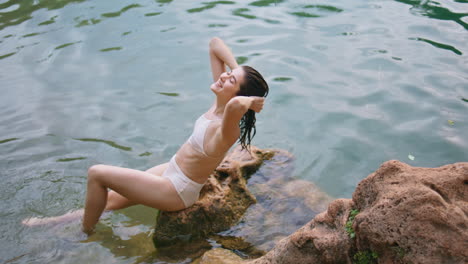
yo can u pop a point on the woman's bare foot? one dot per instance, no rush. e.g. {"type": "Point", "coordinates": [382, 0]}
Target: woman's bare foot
{"type": "Point", "coordinates": [68, 217]}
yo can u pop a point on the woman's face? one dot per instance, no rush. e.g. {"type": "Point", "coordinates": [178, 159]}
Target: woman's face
{"type": "Point", "coordinates": [228, 83]}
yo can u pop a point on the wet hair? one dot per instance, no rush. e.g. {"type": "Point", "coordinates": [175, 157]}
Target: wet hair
{"type": "Point", "coordinates": [253, 85]}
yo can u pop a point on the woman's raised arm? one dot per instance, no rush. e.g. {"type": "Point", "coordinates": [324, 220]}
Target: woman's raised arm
{"type": "Point", "coordinates": [233, 113]}
{"type": "Point", "coordinates": [220, 55]}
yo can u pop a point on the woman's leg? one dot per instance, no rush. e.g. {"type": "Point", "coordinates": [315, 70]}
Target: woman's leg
{"type": "Point", "coordinates": [137, 187]}
{"type": "Point", "coordinates": [116, 201]}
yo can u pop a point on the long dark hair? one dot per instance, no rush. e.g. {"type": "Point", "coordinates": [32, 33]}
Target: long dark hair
{"type": "Point", "coordinates": [253, 85]}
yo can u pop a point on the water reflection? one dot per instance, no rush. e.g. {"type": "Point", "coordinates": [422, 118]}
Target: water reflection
{"type": "Point", "coordinates": [325, 8]}
{"type": "Point", "coordinates": [153, 14]}
{"type": "Point", "coordinates": [282, 79]}
{"type": "Point", "coordinates": [94, 21]}
{"type": "Point", "coordinates": [241, 12]}
{"type": "Point", "coordinates": [163, 2]}
{"type": "Point", "coordinates": [8, 140]}
{"type": "Point", "coordinates": [70, 159]}
{"type": "Point", "coordinates": [86, 22]}
{"type": "Point", "coordinates": [167, 29]}
{"type": "Point", "coordinates": [439, 45]}
{"type": "Point", "coordinates": [436, 10]}
{"type": "Point", "coordinates": [123, 10]}
{"type": "Point", "coordinates": [47, 22]}
{"type": "Point", "coordinates": [217, 25]}
{"type": "Point", "coordinates": [209, 5]}
{"type": "Point", "coordinates": [300, 55]}
{"type": "Point", "coordinates": [169, 94]}
{"type": "Point", "coordinates": [244, 13]}
{"type": "Point", "coordinates": [108, 142]}
{"type": "Point", "coordinates": [319, 11]}
{"type": "Point", "coordinates": [12, 260]}
{"type": "Point", "coordinates": [7, 55]}
{"type": "Point", "coordinates": [129, 243]}
{"type": "Point", "coordinates": [66, 45]}
{"type": "Point", "coordinates": [241, 60]}
{"type": "Point", "coordinates": [304, 14]}
{"type": "Point", "coordinates": [266, 2]}
{"type": "Point", "coordinates": [24, 9]}
{"type": "Point", "coordinates": [110, 49]}
{"type": "Point", "coordinates": [32, 34]}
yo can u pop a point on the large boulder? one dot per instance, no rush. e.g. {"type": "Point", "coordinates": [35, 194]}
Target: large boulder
{"type": "Point", "coordinates": [223, 201]}
{"type": "Point", "coordinates": [409, 214]}
{"type": "Point", "coordinates": [398, 214]}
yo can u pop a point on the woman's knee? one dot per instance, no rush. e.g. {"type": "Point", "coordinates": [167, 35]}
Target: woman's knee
{"type": "Point", "coordinates": [95, 171]}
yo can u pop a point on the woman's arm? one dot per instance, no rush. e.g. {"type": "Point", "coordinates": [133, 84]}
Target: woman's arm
{"type": "Point", "coordinates": [235, 110]}
{"type": "Point", "coordinates": [220, 55]}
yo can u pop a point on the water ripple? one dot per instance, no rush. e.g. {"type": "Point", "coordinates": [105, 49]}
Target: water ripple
{"type": "Point", "coordinates": [439, 45]}
{"type": "Point", "coordinates": [8, 140]}
{"type": "Point", "coordinates": [435, 10]}
{"type": "Point", "coordinates": [261, 3]}
{"type": "Point", "coordinates": [108, 142]}
{"type": "Point", "coordinates": [123, 10]}
{"type": "Point", "coordinates": [85, 82]}
{"type": "Point", "coordinates": [48, 22]}
{"type": "Point", "coordinates": [24, 10]}
{"type": "Point", "coordinates": [66, 45]}
{"type": "Point", "coordinates": [209, 5]}
{"type": "Point", "coordinates": [110, 49]}
{"type": "Point", "coordinates": [70, 159]}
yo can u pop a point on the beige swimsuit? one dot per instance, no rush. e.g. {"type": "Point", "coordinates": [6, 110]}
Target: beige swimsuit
{"type": "Point", "coordinates": [188, 190]}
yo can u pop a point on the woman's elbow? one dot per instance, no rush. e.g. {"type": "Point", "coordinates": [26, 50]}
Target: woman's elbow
{"type": "Point", "coordinates": [235, 106]}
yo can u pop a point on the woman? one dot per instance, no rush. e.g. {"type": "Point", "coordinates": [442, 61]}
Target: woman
{"type": "Point", "coordinates": [176, 185]}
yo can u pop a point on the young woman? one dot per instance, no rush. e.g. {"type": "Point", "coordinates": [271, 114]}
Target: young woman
{"type": "Point", "coordinates": [176, 185]}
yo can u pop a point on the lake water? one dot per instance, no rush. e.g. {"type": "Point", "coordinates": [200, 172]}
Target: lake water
{"type": "Point", "coordinates": [352, 84]}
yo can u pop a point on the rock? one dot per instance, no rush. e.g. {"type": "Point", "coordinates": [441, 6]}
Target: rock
{"type": "Point", "coordinates": [284, 204]}
{"type": "Point", "coordinates": [223, 201]}
{"type": "Point", "coordinates": [179, 252]}
{"type": "Point", "coordinates": [404, 215]}
{"type": "Point", "coordinates": [219, 256]}
{"type": "Point", "coordinates": [322, 240]}
{"type": "Point", "coordinates": [239, 245]}
{"type": "Point", "coordinates": [417, 215]}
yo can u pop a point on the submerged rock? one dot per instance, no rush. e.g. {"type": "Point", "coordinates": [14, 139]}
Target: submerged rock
{"type": "Point", "coordinates": [284, 204]}
{"type": "Point", "coordinates": [217, 256]}
{"type": "Point", "coordinates": [404, 215]}
{"type": "Point", "coordinates": [322, 240]}
{"type": "Point", "coordinates": [223, 201]}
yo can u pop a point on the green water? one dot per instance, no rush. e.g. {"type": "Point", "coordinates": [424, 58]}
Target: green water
{"type": "Point", "coordinates": [352, 84]}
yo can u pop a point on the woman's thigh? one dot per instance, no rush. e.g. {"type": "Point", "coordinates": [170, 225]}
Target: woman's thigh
{"type": "Point", "coordinates": [158, 169]}
{"type": "Point", "coordinates": [115, 201]}
{"type": "Point", "coordinates": [140, 187]}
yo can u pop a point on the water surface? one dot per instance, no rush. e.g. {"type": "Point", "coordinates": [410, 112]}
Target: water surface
{"type": "Point", "coordinates": [353, 84]}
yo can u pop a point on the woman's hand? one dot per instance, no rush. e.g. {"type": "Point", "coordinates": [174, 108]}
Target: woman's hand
{"type": "Point", "coordinates": [256, 103]}
{"type": "Point", "coordinates": [242, 104]}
